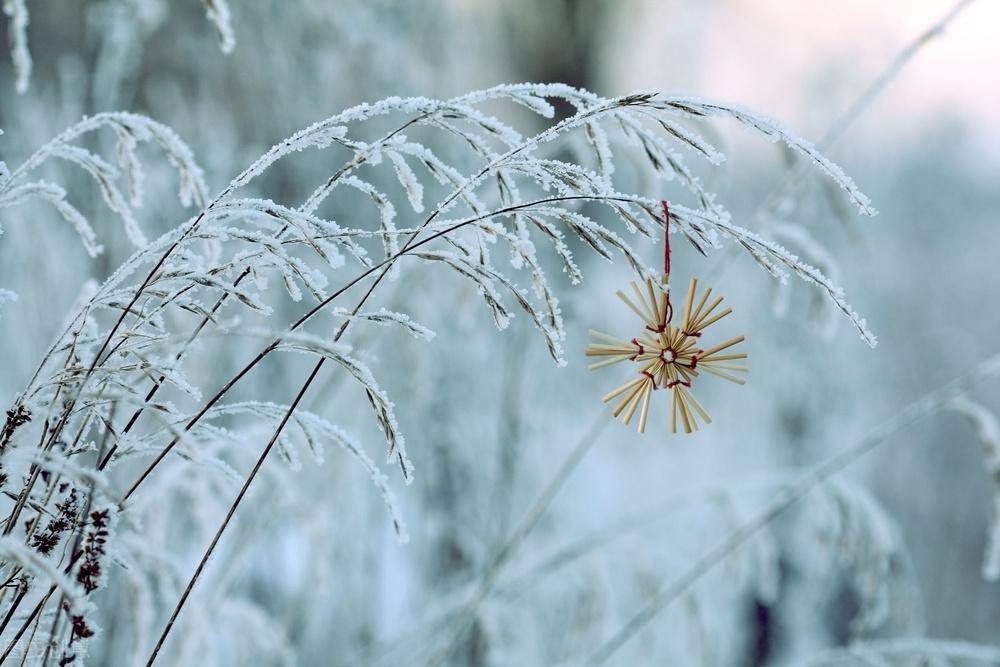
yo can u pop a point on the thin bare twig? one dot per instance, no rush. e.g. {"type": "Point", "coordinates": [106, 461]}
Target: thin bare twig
{"type": "Point", "coordinates": [798, 175]}
{"type": "Point", "coordinates": [520, 533]}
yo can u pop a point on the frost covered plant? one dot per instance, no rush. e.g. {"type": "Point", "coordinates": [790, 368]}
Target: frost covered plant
{"type": "Point", "coordinates": [908, 651]}
{"type": "Point", "coordinates": [120, 184]}
{"type": "Point", "coordinates": [987, 428]}
{"type": "Point", "coordinates": [216, 11]}
{"type": "Point", "coordinates": [117, 403]}
{"type": "Point", "coordinates": [17, 30]}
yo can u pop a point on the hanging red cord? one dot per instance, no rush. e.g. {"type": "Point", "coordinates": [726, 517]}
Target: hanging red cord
{"type": "Point", "coordinates": [666, 236]}
{"type": "Point", "coordinates": [668, 313]}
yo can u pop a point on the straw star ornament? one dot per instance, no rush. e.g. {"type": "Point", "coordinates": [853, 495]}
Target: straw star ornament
{"type": "Point", "coordinates": [668, 356]}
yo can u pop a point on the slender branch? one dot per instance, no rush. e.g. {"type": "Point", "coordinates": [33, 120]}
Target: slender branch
{"type": "Point", "coordinates": [357, 160]}
{"type": "Point", "coordinates": [229, 515]}
{"type": "Point", "coordinates": [794, 179]}
{"type": "Point", "coordinates": [520, 533]}
{"type": "Point", "coordinates": [105, 460]}
{"type": "Point", "coordinates": [411, 243]}
{"type": "Point", "coordinates": [352, 164]}
{"type": "Point", "coordinates": [509, 423]}
{"type": "Point", "coordinates": [23, 497]}
{"type": "Point", "coordinates": [909, 415]}
{"type": "Point", "coordinates": [325, 302]}
{"type": "Point", "coordinates": [387, 263]}
{"type": "Point", "coordinates": [27, 622]}
{"type": "Point", "coordinates": [889, 75]}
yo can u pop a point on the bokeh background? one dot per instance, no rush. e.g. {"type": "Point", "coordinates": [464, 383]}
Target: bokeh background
{"type": "Point", "coordinates": [891, 548]}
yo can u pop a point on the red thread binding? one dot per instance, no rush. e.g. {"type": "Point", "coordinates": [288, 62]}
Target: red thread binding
{"type": "Point", "coordinates": [642, 350]}
{"type": "Point", "coordinates": [653, 379]}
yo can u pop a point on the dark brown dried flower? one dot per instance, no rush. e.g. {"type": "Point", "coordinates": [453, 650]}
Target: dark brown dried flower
{"type": "Point", "coordinates": [16, 418]}
{"type": "Point", "coordinates": [45, 541]}
{"type": "Point", "coordinates": [89, 572]}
